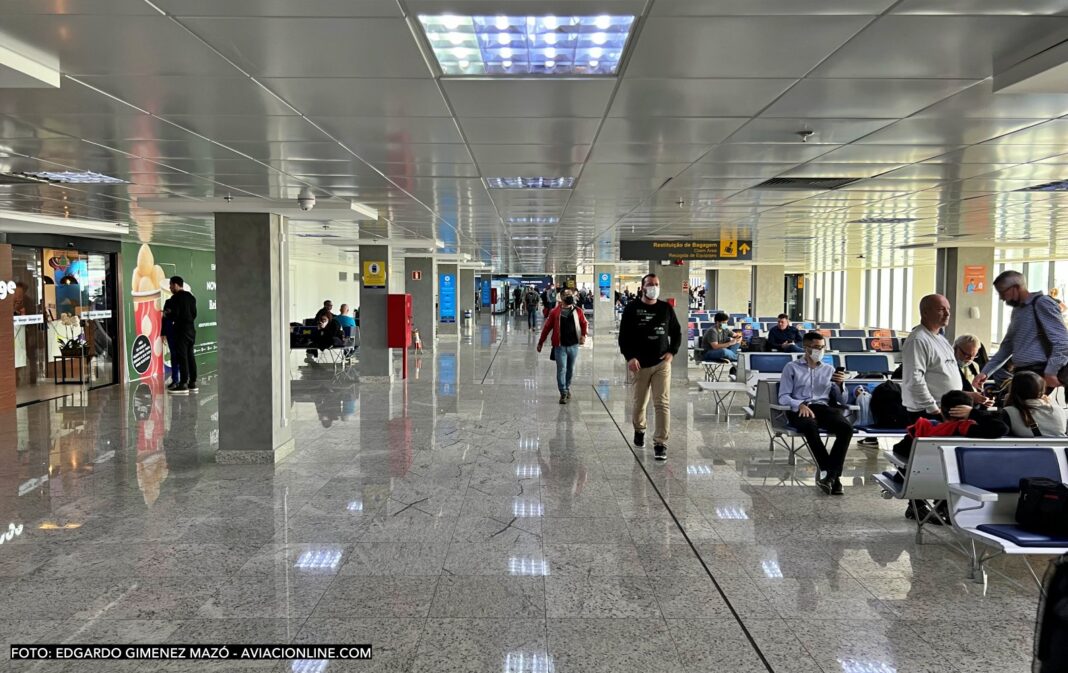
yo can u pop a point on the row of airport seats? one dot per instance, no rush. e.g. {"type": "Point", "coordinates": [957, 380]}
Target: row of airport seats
{"type": "Point", "coordinates": [980, 479]}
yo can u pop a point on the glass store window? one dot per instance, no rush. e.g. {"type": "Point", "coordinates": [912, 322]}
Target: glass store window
{"type": "Point", "coordinates": [65, 322]}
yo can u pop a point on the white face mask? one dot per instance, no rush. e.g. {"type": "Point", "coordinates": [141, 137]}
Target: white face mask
{"type": "Point", "coordinates": [652, 292]}
{"type": "Point", "coordinates": [815, 354]}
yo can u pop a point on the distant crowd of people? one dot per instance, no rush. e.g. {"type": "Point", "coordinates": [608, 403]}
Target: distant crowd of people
{"type": "Point", "coordinates": [331, 332]}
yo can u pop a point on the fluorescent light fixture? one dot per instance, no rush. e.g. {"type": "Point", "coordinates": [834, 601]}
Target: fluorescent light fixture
{"type": "Point", "coordinates": [530, 183]}
{"type": "Point", "coordinates": [514, 46]}
{"type": "Point", "coordinates": [355, 506]}
{"type": "Point", "coordinates": [699, 470]}
{"type": "Point", "coordinates": [533, 220]}
{"type": "Point", "coordinates": [75, 177]}
{"type": "Point", "coordinates": [365, 210]}
{"type": "Point", "coordinates": [731, 513]}
{"type": "Point", "coordinates": [531, 238]}
{"type": "Point", "coordinates": [883, 220]}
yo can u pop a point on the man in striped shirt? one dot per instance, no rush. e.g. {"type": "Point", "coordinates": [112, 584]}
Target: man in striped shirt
{"type": "Point", "coordinates": [1037, 339]}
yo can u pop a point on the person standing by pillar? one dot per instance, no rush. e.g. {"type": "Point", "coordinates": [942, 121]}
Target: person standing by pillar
{"type": "Point", "coordinates": [649, 338]}
{"type": "Point", "coordinates": [181, 308]}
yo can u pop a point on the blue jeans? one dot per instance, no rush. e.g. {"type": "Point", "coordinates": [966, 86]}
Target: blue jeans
{"type": "Point", "coordinates": [530, 318]}
{"type": "Point", "coordinates": [722, 354]}
{"type": "Point", "coordinates": [565, 366]}
{"type": "Point", "coordinates": [792, 348]}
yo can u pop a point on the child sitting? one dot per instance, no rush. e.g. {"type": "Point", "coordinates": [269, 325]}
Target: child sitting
{"type": "Point", "coordinates": [1029, 411]}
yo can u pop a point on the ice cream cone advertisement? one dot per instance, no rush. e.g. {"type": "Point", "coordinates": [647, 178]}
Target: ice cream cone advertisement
{"type": "Point", "coordinates": [148, 289]}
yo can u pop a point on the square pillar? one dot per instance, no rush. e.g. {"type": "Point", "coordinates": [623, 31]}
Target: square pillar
{"type": "Point", "coordinates": [252, 262]}
{"type": "Point", "coordinates": [376, 358]}
{"type": "Point", "coordinates": [769, 290]}
{"type": "Point", "coordinates": [732, 288]}
{"type": "Point", "coordinates": [423, 293]}
{"type": "Point", "coordinates": [965, 278]}
{"type": "Point", "coordinates": [448, 291]}
{"type": "Point", "coordinates": [465, 294]}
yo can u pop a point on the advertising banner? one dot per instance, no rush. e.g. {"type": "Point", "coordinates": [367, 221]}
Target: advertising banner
{"type": "Point", "coordinates": [604, 283]}
{"type": "Point", "coordinates": [148, 269]}
{"type": "Point", "coordinates": [447, 298]}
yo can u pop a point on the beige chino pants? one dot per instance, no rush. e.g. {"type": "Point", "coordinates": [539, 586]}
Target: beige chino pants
{"type": "Point", "coordinates": [657, 379]}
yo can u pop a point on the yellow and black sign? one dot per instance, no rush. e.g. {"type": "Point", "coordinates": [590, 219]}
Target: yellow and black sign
{"type": "Point", "coordinates": [727, 248]}
{"type": "Point", "coordinates": [374, 274]}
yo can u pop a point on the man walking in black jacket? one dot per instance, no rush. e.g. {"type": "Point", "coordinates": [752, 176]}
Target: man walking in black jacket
{"type": "Point", "coordinates": [649, 337]}
{"type": "Point", "coordinates": [181, 308]}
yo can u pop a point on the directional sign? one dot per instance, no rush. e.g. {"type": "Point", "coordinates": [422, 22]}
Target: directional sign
{"type": "Point", "coordinates": [727, 248]}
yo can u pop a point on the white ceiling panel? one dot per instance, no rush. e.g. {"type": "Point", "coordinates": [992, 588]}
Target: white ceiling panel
{"type": "Point", "coordinates": [675, 130]}
{"type": "Point", "coordinates": [696, 97]}
{"type": "Point", "coordinates": [190, 95]}
{"type": "Point", "coordinates": [822, 131]}
{"type": "Point", "coordinates": [256, 8]}
{"type": "Point", "coordinates": [397, 130]}
{"type": "Point", "coordinates": [321, 47]}
{"type": "Point", "coordinates": [768, 7]}
{"type": "Point", "coordinates": [761, 153]}
{"type": "Point", "coordinates": [980, 101]}
{"type": "Point", "coordinates": [750, 46]}
{"type": "Point", "coordinates": [361, 97]}
{"type": "Point", "coordinates": [863, 98]}
{"type": "Point", "coordinates": [530, 154]}
{"type": "Point", "coordinates": [529, 130]}
{"type": "Point", "coordinates": [942, 131]}
{"type": "Point", "coordinates": [529, 98]}
{"type": "Point", "coordinates": [151, 45]}
{"type": "Point", "coordinates": [883, 154]}
{"type": "Point", "coordinates": [1003, 7]}
{"type": "Point", "coordinates": [954, 47]}
{"type": "Point", "coordinates": [616, 153]}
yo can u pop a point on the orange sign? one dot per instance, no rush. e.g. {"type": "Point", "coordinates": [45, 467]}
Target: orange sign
{"type": "Point", "coordinates": [975, 279]}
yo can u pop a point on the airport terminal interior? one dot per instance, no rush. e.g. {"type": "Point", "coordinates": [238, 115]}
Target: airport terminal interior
{"type": "Point", "coordinates": [378, 207]}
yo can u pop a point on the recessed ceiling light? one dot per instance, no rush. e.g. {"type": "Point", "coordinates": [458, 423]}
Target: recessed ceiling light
{"type": "Point", "coordinates": [75, 177]}
{"type": "Point", "coordinates": [576, 45]}
{"type": "Point", "coordinates": [533, 220]}
{"type": "Point", "coordinates": [530, 183]}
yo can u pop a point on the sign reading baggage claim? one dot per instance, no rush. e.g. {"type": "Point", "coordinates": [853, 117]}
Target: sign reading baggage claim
{"type": "Point", "coordinates": [726, 248]}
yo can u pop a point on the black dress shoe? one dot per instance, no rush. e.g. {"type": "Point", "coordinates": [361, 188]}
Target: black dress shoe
{"type": "Point", "coordinates": [825, 484]}
{"type": "Point", "coordinates": [639, 438]}
{"type": "Point", "coordinates": [836, 487]}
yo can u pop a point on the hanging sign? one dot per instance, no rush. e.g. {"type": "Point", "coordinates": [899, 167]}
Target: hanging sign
{"type": "Point", "coordinates": [727, 248]}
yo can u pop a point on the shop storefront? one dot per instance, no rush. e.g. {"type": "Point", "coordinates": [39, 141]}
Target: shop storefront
{"type": "Point", "coordinates": [65, 315]}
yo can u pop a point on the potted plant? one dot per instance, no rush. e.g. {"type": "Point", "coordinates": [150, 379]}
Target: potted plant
{"type": "Point", "coordinates": [71, 345]}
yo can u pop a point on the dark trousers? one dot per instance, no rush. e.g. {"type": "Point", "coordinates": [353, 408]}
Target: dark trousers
{"type": "Point", "coordinates": [182, 353]}
{"type": "Point", "coordinates": [834, 422]}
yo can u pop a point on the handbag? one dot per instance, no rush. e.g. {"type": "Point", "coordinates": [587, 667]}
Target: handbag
{"type": "Point", "coordinates": [552, 353]}
{"type": "Point", "coordinates": [1062, 375]}
{"type": "Point", "coordinates": [1043, 506]}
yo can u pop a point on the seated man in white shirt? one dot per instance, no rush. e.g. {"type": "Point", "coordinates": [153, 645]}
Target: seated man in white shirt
{"type": "Point", "coordinates": [814, 392]}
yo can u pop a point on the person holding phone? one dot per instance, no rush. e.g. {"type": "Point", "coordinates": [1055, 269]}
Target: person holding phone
{"type": "Point", "coordinates": [816, 395]}
{"type": "Point", "coordinates": [719, 342]}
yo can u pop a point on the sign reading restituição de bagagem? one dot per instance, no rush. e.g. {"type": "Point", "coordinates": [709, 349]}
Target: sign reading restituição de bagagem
{"type": "Point", "coordinates": [725, 248]}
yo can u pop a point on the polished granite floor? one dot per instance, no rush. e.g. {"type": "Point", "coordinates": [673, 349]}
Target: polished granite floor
{"type": "Point", "coordinates": [466, 521]}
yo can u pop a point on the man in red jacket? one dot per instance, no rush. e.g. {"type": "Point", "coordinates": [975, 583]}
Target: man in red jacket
{"type": "Point", "coordinates": [568, 326]}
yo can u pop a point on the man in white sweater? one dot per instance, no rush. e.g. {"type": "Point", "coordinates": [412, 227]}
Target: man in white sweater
{"type": "Point", "coordinates": [929, 365]}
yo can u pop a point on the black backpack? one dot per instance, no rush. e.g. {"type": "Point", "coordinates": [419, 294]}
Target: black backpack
{"type": "Point", "coordinates": [887, 410]}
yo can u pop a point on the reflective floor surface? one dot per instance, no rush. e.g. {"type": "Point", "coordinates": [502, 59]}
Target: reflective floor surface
{"type": "Point", "coordinates": [466, 521]}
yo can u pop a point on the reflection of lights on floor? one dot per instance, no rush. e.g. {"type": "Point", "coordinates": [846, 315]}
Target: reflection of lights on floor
{"type": "Point", "coordinates": [771, 569]}
{"type": "Point", "coordinates": [49, 525]}
{"type": "Point", "coordinates": [527, 508]}
{"type": "Point", "coordinates": [309, 665]}
{"type": "Point", "coordinates": [732, 512]}
{"type": "Point", "coordinates": [699, 470]}
{"type": "Point", "coordinates": [866, 666]}
{"type": "Point", "coordinates": [529, 443]}
{"type": "Point", "coordinates": [355, 506]}
{"type": "Point", "coordinates": [528, 566]}
{"type": "Point", "coordinates": [527, 471]}
{"type": "Point", "coordinates": [527, 662]}
{"type": "Point", "coordinates": [323, 559]}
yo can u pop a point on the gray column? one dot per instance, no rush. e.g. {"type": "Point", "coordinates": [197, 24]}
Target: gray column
{"type": "Point", "coordinates": [251, 259]}
{"type": "Point", "coordinates": [423, 294]}
{"type": "Point", "coordinates": [449, 331]}
{"type": "Point", "coordinates": [376, 359]}
{"type": "Point", "coordinates": [672, 280]}
{"type": "Point", "coordinates": [769, 290]}
{"type": "Point", "coordinates": [970, 310]}
{"type": "Point", "coordinates": [710, 289]}
{"type": "Point", "coordinates": [465, 297]}
{"type": "Point", "coordinates": [603, 326]}
{"type": "Point", "coordinates": [732, 290]}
